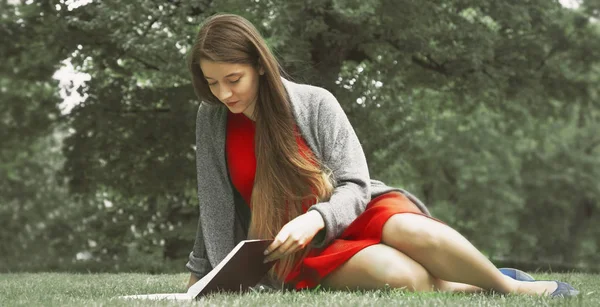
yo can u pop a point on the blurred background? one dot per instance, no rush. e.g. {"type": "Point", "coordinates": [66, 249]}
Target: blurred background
{"type": "Point", "coordinates": [486, 110]}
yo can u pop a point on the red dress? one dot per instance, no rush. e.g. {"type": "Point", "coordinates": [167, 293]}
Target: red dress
{"type": "Point", "coordinates": [365, 231]}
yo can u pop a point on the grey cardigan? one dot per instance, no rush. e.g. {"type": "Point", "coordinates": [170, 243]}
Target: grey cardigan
{"type": "Point", "coordinates": [328, 133]}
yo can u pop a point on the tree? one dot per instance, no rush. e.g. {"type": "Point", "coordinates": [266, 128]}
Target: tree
{"type": "Point", "coordinates": [446, 97]}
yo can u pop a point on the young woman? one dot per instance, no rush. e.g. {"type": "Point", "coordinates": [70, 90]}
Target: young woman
{"type": "Point", "coordinates": [277, 159]}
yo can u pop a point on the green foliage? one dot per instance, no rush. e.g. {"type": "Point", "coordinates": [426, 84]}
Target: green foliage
{"type": "Point", "coordinates": [487, 110]}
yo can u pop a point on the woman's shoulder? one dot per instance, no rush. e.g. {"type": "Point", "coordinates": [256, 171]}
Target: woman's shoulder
{"type": "Point", "coordinates": [311, 98]}
{"type": "Point", "coordinates": [307, 92]}
{"type": "Point", "coordinates": [206, 107]}
{"type": "Point", "coordinates": [208, 111]}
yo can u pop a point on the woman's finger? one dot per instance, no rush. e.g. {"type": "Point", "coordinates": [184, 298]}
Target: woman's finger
{"type": "Point", "coordinates": [277, 242]}
{"type": "Point", "coordinates": [285, 248]}
{"type": "Point", "coordinates": [280, 251]}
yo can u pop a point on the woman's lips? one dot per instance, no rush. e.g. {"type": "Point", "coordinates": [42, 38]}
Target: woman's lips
{"type": "Point", "coordinates": [231, 104]}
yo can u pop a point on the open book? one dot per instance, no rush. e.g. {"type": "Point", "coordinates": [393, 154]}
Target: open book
{"type": "Point", "coordinates": [241, 269]}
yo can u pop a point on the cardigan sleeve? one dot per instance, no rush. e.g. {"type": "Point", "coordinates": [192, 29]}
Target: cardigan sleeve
{"type": "Point", "coordinates": [198, 263]}
{"type": "Point", "coordinates": [342, 153]}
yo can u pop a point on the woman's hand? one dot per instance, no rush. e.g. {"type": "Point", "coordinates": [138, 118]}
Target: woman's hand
{"type": "Point", "coordinates": [295, 235]}
{"type": "Point", "coordinates": [193, 280]}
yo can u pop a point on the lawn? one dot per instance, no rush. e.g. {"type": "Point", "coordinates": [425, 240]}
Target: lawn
{"type": "Point", "coordinates": [62, 289]}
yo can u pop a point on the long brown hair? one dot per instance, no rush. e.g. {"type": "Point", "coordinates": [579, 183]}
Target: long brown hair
{"type": "Point", "coordinates": [285, 178]}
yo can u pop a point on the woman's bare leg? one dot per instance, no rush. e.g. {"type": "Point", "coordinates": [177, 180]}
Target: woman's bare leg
{"type": "Point", "coordinates": [447, 255]}
{"type": "Point", "coordinates": [378, 265]}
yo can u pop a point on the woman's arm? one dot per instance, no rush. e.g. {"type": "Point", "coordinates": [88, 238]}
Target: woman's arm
{"type": "Point", "coordinates": [342, 153]}
{"type": "Point", "coordinates": [198, 263]}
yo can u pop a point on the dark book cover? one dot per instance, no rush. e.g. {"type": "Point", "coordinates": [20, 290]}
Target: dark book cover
{"type": "Point", "coordinates": [241, 269]}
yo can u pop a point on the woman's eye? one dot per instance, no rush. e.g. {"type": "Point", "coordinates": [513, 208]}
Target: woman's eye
{"type": "Point", "coordinates": [233, 81]}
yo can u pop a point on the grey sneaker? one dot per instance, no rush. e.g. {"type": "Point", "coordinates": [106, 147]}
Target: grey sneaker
{"type": "Point", "coordinates": [564, 290]}
{"type": "Point", "coordinates": [516, 274]}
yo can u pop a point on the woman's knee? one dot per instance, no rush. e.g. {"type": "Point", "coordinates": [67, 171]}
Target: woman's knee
{"type": "Point", "coordinates": [411, 232]}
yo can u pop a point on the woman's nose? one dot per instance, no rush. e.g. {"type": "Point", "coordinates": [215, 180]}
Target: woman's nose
{"type": "Point", "coordinates": [224, 93]}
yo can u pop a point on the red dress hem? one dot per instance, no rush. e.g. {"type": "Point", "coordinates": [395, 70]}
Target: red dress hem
{"type": "Point", "coordinates": [365, 231]}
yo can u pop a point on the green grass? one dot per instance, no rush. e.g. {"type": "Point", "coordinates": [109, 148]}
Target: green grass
{"type": "Point", "coordinates": [62, 289]}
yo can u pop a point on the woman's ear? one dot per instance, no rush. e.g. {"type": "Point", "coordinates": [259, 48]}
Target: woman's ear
{"type": "Point", "coordinates": [261, 70]}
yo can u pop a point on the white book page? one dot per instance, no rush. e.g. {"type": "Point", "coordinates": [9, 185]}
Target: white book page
{"type": "Point", "coordinates": [161, 296]}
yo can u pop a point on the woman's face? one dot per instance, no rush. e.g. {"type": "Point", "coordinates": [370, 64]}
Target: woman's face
{"type": "Point", "coordinates": [235, 85]}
